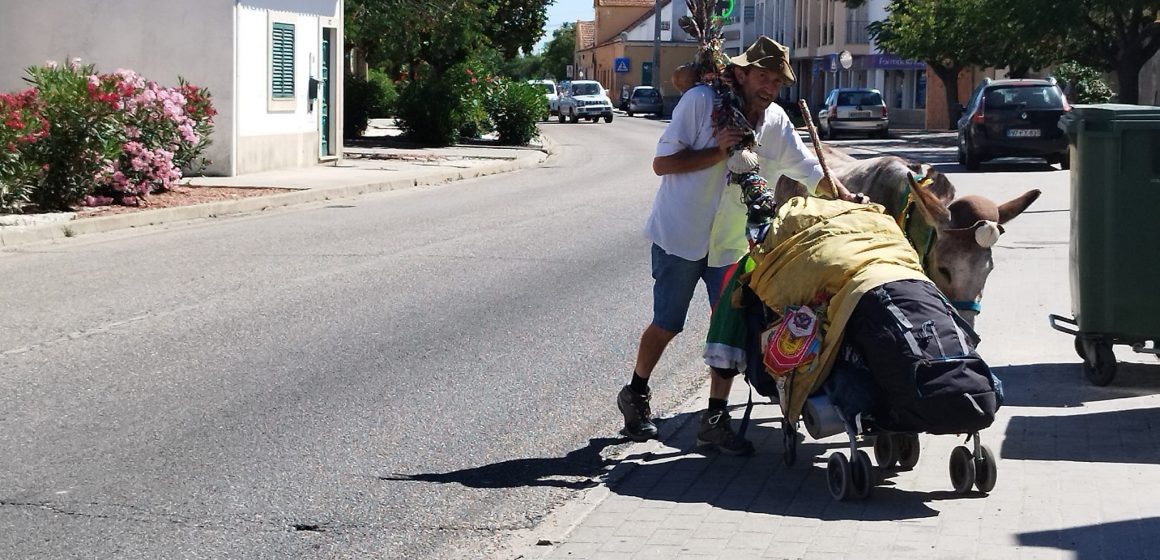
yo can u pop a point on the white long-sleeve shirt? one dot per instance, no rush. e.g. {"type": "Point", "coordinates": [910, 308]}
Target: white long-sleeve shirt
{"type": "Point", "coordinates": [696, 214]}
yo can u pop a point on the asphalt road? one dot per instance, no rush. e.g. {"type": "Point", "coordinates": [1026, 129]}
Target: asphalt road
{"type": "Point", "coordinates": [405, 375]}
{"type": "Point", "coordinates": [414, 374]}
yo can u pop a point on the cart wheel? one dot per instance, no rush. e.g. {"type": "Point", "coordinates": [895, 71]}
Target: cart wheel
{"type": "Point", "coordinates": [986, 470]}
{"type": "Point", "coordinates": [908, 450]}
{"type": "Point", "coordinates": [962, 469]}
{"type": "Point", "coordinates": [886, 451]}
{"type": "Point", "coordinates": [838, 476]}
{"type": "Point", "coordinates": [1079, 350]}
{"type": "Point", "coordinates": [1101, 368]}
{"type": "Point", "coordinates": [789, 446]}
{"type": "Point", "coordinates": [862, 476]}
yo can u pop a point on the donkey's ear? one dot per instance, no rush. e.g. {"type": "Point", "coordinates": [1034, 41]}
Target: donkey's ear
{"type": "Point", "coordinates": [1008, 210]}
{"type": "Point", "coordinates": [933, 210]}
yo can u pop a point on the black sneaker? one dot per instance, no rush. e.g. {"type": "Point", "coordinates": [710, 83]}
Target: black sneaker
{"type": "Point", "coordinates": [716, 432]}
{"type": "Point", "coordinates": [638, 424]}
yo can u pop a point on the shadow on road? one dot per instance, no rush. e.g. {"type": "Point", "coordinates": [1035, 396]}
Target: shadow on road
{"type": "Point", "coordinates": [573, 471]}
{"type": "Point", "coordinates": [1136, 538]}
{"type": "Point", "coordinates": [1118, 436]}
{"type": "Point", "coordinates": [1064, 385]}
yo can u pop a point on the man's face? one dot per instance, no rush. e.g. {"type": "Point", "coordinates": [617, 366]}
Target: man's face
{"type": "Point", "coordinates": [759, 86]}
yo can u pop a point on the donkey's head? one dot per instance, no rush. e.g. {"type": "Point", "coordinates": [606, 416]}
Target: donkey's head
{"type": "Point", "coordinates": [960, 261]}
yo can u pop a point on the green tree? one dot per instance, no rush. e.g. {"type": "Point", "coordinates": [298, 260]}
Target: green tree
{"type": "Point", "coordinates": [943, 33]}
{"type": "Point", "coordinates": [1114, 35]}
{"type": "Point", "coordinates": [524, 67]}
{"type": "Point", "coordinates": [559, 51]}
{"type": "Point", "coordinates": [516, 25]}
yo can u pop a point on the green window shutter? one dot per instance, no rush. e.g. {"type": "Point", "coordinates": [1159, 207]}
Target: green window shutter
{"type": "Point", "coordinates": [282, 61]}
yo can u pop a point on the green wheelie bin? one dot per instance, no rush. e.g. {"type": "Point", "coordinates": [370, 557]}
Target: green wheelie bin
{"type": "Point", "coordinates": [1115, 228]}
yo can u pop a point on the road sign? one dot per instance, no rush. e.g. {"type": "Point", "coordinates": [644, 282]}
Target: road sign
{"type": "Point", "coordinates": [620, 65]}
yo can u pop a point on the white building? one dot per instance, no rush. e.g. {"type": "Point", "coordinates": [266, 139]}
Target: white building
{"type": "Point", "coordinates": [273, 67]}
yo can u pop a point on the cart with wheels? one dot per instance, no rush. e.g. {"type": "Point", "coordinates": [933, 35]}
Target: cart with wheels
{"type": "Point", "coordinates": [1114, 204]}
{"type": "Point", "coordinates": [850, 475]}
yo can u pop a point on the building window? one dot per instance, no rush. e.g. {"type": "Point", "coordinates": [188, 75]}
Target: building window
{"type": "Point", "coordinates": [282, 56]}
{"type": "Point", "coordinates": [282, 61]}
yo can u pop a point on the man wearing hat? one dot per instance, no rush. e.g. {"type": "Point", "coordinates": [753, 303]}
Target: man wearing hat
{"type": "Point", "coordinates": [697, 223]}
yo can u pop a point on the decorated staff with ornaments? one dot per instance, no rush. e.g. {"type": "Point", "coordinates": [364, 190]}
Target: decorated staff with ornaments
{"type": "Point", "coordinates": [725, 136]}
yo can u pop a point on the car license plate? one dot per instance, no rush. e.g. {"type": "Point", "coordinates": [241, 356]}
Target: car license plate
{"type": "Point", "coordinates": [1023, 133]}
{"type": "Point", "coordinates": [860, 114]}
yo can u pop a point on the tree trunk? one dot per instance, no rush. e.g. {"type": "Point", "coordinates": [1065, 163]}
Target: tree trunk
{"type": "Point", "coordinates": [1128, 74]}
{"type": "Point", "coordinates": [950, 80]}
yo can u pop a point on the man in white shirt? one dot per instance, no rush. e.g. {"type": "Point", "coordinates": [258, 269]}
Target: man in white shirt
{"type": "Point", "coordinates": [697, 224]}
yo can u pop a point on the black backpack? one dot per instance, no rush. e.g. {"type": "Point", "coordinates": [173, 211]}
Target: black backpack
{"type": "Point", "coordinates": [922, 358]}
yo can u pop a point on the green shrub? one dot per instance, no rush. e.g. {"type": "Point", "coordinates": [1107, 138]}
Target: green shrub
{"type": "Point", "coordinates": [1083, 84]}
{"type": "Point", "coordinates": [21, 127]}
{"type": "Point", "coordinates": [427, 111]}
{"type": "Point", "coordinates": [78, 136]}
{"type": "Point", "coordinates": [83, 134]}
{"type": "Point", "coordinates": [515, 108]}
{"type": "Point", "coordinates": [363, 100]}
{"type": "Point", "coordinates": [472, 80]}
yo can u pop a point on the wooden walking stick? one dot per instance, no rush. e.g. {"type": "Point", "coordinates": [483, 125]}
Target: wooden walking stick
{"type": "Point", "coordinates": [805, 107]}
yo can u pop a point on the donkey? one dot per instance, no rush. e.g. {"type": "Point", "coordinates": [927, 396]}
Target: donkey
{"type": "Point", "coordinates": [958, 257]}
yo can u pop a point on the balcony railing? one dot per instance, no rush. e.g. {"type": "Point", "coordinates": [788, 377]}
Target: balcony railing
{"type": "Point", "coordinates": [856, 33]}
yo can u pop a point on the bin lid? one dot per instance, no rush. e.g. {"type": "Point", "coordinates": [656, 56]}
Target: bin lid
{"type": "Point", "coordinates": [1107, 112]}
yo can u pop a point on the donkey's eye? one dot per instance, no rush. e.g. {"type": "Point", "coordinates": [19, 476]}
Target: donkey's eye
{"type": "Point", "coordinates": [945, 272]}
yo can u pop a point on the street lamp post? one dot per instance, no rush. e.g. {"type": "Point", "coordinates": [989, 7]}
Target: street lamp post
{"type": "Point", "coordinates": [656, 61]}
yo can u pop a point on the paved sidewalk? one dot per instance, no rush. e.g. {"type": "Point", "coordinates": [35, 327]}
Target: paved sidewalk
{"type": "Point", "coordinates": [362, 170]}
{"type": "Point", "coordinates": [1074, 482]}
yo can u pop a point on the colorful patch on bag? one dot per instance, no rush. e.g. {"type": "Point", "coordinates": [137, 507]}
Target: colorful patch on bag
{"type": "Point", "coordinates": [792, 342]}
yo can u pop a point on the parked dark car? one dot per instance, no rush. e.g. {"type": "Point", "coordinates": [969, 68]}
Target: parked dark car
{"type": "Point", "coordinates": [645, 99]}
{"type": "Point", "coordinates": [1013, 118]}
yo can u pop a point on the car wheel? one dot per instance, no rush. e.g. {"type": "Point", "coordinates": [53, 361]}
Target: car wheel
{"type": "Point", "coordinates": [574, 118]}
{"type": "Point", "coordinates": [962, 158]}
{"type": "Point", "coordinates": [560, 117]}
{"type": "Point", "coordinates": [608, 118]}
{"type": "Point", "coordinates": [884, 133]}
{"type": "Point", "coordinates": [971, 159]}
{"type": "Point", "coordinates": [629, 113]}
{"type": "Point", "coordinates": [825, 132]}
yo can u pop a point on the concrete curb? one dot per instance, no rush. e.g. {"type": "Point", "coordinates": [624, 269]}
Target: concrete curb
{"type": "Point", "coordinates": [12, 237]}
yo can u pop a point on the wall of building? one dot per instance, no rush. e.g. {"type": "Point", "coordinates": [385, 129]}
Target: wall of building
{"type": "Point", "coordinates": [611, 20]}
{"type": "Point", "coordinates": [159, 39]}
{"type": "Point", "coordinates": [273, 135]}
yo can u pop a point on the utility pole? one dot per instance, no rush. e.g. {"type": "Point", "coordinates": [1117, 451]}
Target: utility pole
{"type": "Point", "coordinates": [656, 61]}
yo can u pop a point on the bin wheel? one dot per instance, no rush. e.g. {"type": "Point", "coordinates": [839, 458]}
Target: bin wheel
{"type": "Point", "coordinates": [962, 469]}
{"type": "Point", "coordinates": [1079, 350]}
{"type": "Point", "coordinates": [838, 477]}
{"type": "Point", "coordinates": [862, 476]}
{"type": "Point", "coordinates": [560, 117]}
{"type": "Point", "coordinates": [986, 470]}
{"type": "Point", "coordinates": [1100, 369]}
{"type": "Point", "coordinates": [908, 450]}
{"type": "Point", "coordinates": [886, 451]}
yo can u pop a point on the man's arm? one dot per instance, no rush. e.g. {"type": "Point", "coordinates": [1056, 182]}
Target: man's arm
{"type": "Point", "coordinates": [688, 160]}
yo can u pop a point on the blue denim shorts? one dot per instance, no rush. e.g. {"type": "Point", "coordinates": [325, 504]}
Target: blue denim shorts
{"type": "Point", "coordinates": [675, 281]}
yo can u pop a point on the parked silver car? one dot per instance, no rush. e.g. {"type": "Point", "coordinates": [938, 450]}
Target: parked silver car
{"type": "Point", "coordinates": [645, 99]}
{"type": "Point", "coordinates": [854, 110]}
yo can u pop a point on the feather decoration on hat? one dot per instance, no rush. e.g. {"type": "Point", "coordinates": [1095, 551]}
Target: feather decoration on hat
{"type": "Point", "coordinates": [710, 66]}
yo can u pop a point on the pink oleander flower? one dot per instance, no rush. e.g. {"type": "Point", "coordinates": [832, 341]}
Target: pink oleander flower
{"type": "Point", "coordinates": [50, 64]}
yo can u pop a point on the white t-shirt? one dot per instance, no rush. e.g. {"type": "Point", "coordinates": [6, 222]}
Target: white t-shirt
{"type": "Point", "coordinates": [696, 214]}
